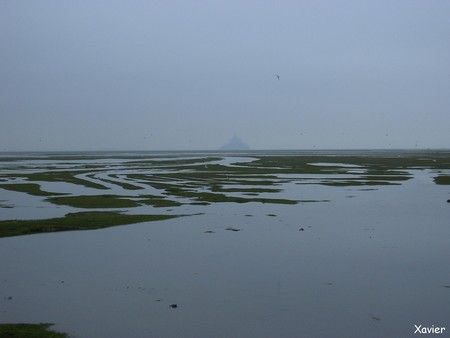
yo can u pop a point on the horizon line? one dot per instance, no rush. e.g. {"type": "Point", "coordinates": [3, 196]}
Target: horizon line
{"type": "Point", "coordinates": [224, 150]}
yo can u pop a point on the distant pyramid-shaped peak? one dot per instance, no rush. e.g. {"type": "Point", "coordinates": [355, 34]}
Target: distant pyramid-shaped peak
{"type": "Point", "coordinates": [235, 143]}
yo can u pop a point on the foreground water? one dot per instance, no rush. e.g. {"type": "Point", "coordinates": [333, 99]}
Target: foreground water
{"type": "Point", "coordinates": [355, 260]}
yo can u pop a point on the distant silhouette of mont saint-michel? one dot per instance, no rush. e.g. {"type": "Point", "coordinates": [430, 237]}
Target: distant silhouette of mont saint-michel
{"type": "Point", "coordinates": [235, 143]}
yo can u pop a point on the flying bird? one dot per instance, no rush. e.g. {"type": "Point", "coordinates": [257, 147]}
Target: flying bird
{"type": "Point", "coordinates": [277, 76]}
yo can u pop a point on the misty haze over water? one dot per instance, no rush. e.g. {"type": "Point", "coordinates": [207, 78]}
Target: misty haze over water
{"type": "Point", "coordinates": [152, 75]}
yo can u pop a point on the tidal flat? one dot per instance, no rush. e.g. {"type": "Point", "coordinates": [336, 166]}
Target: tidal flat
{"type": "Point", "coordinates": [224, 244]}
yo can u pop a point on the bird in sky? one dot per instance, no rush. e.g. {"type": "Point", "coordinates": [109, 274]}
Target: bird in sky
{"type": "Point", "coordinates": [277, 76]}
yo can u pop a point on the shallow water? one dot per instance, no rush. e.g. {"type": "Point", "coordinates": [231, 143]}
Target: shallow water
{"type": "Point", "coordinates": [369, 263]}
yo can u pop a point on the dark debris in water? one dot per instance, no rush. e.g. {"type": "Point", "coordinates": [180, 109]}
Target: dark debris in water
{"type": "Point", "coordinates": [173, 306]}
{"type": "Point", "coordinates": [209, 232]}
{"type": "Point", "coordinates": [301, 229]}
{"type": "Point", "coordinates": [233, 229]}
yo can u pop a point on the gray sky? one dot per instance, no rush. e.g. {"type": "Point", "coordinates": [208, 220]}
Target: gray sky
{"type": "Point", "coordinates": [94, 75]}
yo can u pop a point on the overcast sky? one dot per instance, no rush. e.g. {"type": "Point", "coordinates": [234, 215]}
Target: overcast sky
{"type": "Point", "coordinates": [102, 75]}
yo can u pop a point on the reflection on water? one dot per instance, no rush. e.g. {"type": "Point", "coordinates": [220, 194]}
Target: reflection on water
{"type": "Point", "coordinates": [372, 265]}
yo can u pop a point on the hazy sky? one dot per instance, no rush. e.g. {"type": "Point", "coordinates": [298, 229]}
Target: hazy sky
{"type": "Point", "coordinates": [89, 75]}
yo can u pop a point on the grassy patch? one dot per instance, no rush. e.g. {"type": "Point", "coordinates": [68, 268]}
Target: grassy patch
{"type": "Point", "coordinates": [63, 176]}
{"type": "Point", "coordinates": [160, 202]}
{"type": "Point", "coordinates": [351, 183]}
{"type": "Point", "coordinates": [112, 201]}
{"type": "Point", "coordinates": [175, 161]}
{"type": "Point", "coordinates": [218, 188]}
{"type": "Point", "coordinates": [314, 201]}
{"type": "Point", "coordinates": [442, 179]}
{"type": "Point", "coordinates": [29, 331]}
{"type": "Point", "coordinates": [182, 190]}
{"type": "Point", "coordinates": [94, 201]}
{"type": "Point", "coordinates": [213, 197]}
{"type": "Point", "coordinates": [29, 188]}
{"type": "Point", "coordinates": [376, 163]}
{"type": "Point", "coordinates": [124, 185]}
{"type": "Point", "coordinates": [387, 178]}
{"type": "Point", "coordinates": [204, 178]}
{"type": "Point", "coordinates": [74, 221]}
